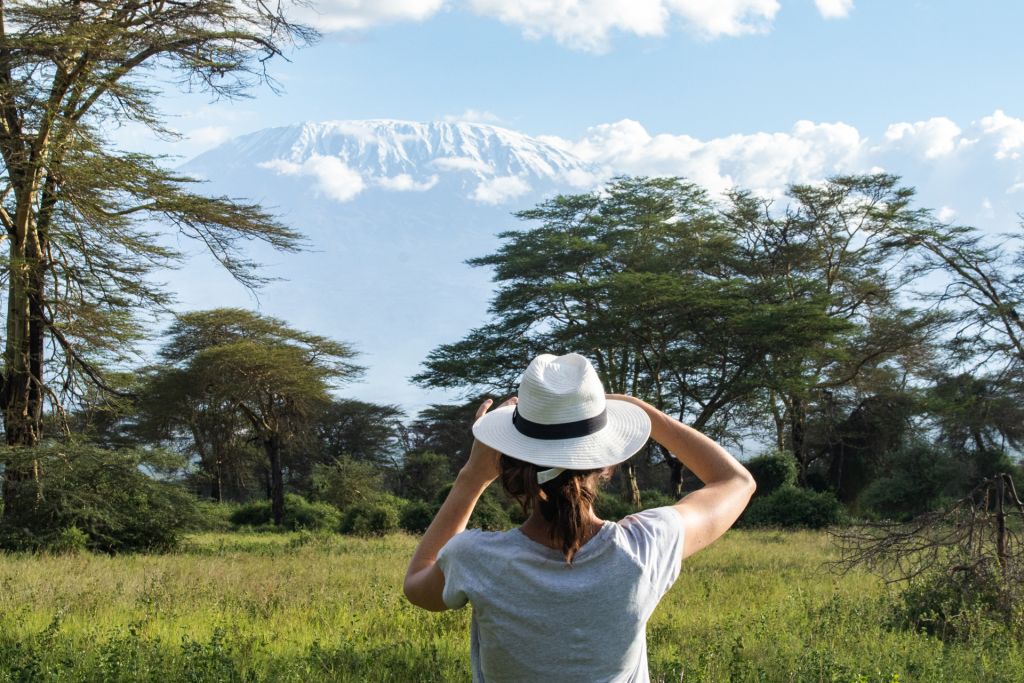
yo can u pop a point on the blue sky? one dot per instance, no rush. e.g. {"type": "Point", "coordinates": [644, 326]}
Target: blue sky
{"type": "Point", "coordinates": [882, 63]}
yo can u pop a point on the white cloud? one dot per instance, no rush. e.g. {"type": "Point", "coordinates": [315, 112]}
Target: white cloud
{"type": "Point", "coordinates": [348, 15]}
{"type": "Point", "coordinates": [714, 18]}
{"type": "Point", "coordinates": [500, 189]}
{"type": "Point", "coordinates": [946, 214]}
{"type": "Point", "coordinates": [587, 24]}
{"type": "Point", "coordinates": [208, 136]}
{"type": "Point", "coordinates": [763, 162]}
{"type": "Point", "coordinates": [403, 182]}
{"type": "Point", "coordinates": [463, 164]}
{"type": "Point", "coordinates": [333, 177]}
{"type": "Point", "coordinates": [473, 116]}
{"type": "Point", "coordinates": [1008, 131]}
{"type": "Point", "coordinates": [933, 138]}
{"type": "Point", "coordinates": [834, 9]}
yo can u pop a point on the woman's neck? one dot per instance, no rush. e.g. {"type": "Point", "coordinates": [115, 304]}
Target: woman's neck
{"type": "Point", "coordinates": [538, 529]}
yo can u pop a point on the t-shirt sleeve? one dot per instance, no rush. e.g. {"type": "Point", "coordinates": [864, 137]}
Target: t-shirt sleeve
{"type": "Point", "coordinates": [452, 561]}
{"type": "Point", "coordinates": [657, 537]}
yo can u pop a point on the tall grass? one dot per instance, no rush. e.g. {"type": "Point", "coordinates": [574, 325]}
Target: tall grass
{"type": "Point", "coordinates": [300, 607]}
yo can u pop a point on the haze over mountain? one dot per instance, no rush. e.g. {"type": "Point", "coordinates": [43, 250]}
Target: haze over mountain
{"type": "Point", "coordinates": [391, 209]}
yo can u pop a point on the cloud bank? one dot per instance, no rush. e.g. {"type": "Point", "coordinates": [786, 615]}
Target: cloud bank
{"type": "Point", "coordinates": [578, 24]}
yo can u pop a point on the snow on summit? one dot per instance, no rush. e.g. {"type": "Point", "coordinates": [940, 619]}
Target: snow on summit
{"type": "Point", "coordinates": [344, 159]}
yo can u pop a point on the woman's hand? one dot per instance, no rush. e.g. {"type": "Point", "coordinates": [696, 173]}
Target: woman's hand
{"type": "Point", "coordinates": [483, 464]}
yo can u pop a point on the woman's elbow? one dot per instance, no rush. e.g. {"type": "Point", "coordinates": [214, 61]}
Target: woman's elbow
{"type": "Point", "coordinates": [418, 597]}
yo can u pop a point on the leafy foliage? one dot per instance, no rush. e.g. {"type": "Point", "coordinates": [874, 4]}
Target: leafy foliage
{"type": "Point", "coordinates": [116, 500]}
{"type": "Point", "coordinates": [792, 507]}
{"type": "Point", "coordinates": [371, 518]}
{"type": "Point", "coordinates": [298, 514]}
{"type": "Point", "coordinates": [772, 471]}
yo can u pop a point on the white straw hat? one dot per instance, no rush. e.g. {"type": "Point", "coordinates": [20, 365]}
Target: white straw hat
{"type": "Point", "coordinates": [563, 420]}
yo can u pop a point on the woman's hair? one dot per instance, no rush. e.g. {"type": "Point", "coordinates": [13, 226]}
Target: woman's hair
{"type": "Point", "coordinates": [563, 501]}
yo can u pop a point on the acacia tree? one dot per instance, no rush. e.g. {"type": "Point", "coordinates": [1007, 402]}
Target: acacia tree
{"type": "Point", "coordinates": [275, 379]}
{"type": "Point", "coordinates": [839, 246]}
{"type": "Point", "coordinates": [80, 216]}
{"type": "Point", "coordinates": [645, 279]}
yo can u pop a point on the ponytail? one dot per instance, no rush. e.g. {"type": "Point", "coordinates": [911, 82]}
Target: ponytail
{"type": "Point", "coordinates": [564, 502]}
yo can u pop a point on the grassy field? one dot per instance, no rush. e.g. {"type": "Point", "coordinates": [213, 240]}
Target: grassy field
{"type": "Point", "coordinates": [756, 606]}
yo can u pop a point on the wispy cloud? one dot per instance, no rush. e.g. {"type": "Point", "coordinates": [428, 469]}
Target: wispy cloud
{"type": "Point", "coordinates": [349, 15]}
{"type": "Point", "coordinates": [473, 116]}
{"type": "Point", "coordinates": [499, 190]}
{"type": "Point", "coordinates": [332, 176]}
{"type": "Point", "coordinates": [403, 182]}
{"type": "Point", "coordinates": [834, 9]}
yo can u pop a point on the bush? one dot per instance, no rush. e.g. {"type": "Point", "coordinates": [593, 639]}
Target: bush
{"type": "Point", "coordinates": [653, 498]}
{"type": "Point", "coordinates": [114, 498]}
{"type": "Point", "coordinates": [370, 518]}
{"type": "Point", "coordinates": [955, 605]}
{"type": "Point", "coordinates": [793, 507]}
{"type": "Point", "coordinates": [611, 506]}
{"type": "Point", "coordinates": [426, 474]}
{"type": "Point", "coordinates": [71, 541]}
{"type": "Point", "coordinates": [346, 481]}
{"type": "Point", "coordinates": [920, 479]}
{"type": "Point", "coordinates": [417, 516]}
{"type": "Point", "coordinates": [214, 516]}
{"type": "Point", "coordinates": [772, 471]}
{"type": "Point", "coordinates": [299, 513]}
{"type": "Point", "coordinates": [489, 515]}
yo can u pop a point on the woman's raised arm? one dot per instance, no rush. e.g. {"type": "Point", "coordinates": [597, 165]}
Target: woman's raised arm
{"type": "Point", "coordinates": [708, 512]}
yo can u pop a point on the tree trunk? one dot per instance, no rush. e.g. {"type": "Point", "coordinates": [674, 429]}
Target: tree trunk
{"type": "Point", "coordinates": [21, 396]}
{"type": "Point", "coordinates": [797, 419]}
{"type": "Point", "coordinates": [630, 489]}
{"type": "Point", "coordinates": [675, 469]}
{"type": "Point", "coordinates": [273, 448]}
{"type": "Point", "coordinates": [218, 481]}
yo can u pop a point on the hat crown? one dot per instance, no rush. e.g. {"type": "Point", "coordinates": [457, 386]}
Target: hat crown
{"type": "Point", "coordinates": [560, 389]}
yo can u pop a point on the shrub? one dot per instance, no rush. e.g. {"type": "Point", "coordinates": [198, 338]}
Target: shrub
{"type": "Point", "coordinates": [489, 515]}
{"type": "Point", "coordinates": [611, 506]}
{"type": "Point", "coordinates": [426, 474]}
{"type": "Point", "coordinates": [346, 481]}
{"type": "Point", "coordinates": [120, 500]}
{"type": "Point", "coordinates": [417, 515]}
{"type": "Point", "coordinates": [370, 518]}
{"type": "Point", "coordinates": [954, 605]}
{"type": "Point", "coordinates": [772, 471]}
{"type": "Point", "coordinates": [920, 479]}
{"type": "Point", "coordinates": [299, 513]}
{"type": "Point", "coordinates": [70, 541]}
{"type": "Point", "coordinates": [793, 507]}
{"type": "Point", "coordinates": [653, 498]}
{"type": "Point", "coordinates": [214, 516]}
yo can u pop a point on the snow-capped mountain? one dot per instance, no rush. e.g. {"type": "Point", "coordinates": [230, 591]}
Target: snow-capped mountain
{"type": "Point", "coordinates": [391, 210]}
{"type": "Point", "coordinates": [347, 158]}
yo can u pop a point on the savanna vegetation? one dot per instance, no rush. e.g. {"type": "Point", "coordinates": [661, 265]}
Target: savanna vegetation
{"type": "Point", "coordinates": [866, 354]}
{"type": "Point", "coordinates": [756, 606]}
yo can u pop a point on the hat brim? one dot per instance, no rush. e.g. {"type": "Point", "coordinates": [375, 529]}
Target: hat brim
{"type": "Point", "coordinates": [626, 432]}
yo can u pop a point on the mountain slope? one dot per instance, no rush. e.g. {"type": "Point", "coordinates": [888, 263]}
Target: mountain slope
{"type": "Point", "coordinates": [392, 209]}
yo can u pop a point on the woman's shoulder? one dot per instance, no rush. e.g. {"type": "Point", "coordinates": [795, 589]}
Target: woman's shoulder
{"type": "Point", "coordinates": [651, 530]}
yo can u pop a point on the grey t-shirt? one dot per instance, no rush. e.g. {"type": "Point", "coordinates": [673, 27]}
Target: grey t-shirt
{"type": "Point", "coordinates": [536, 619]}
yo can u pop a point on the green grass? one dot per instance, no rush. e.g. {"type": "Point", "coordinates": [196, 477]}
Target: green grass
{"type": "Point", "coordinates": [756, 606]}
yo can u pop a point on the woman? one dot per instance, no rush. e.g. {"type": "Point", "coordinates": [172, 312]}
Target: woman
{"type": "Point", "coordinates": [567, 596]}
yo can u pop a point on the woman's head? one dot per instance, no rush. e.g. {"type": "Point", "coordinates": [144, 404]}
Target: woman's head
{"type": "Point", "coordinates": [565, 501]}
{"type": "Point", "coordinates": [564, 420]}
